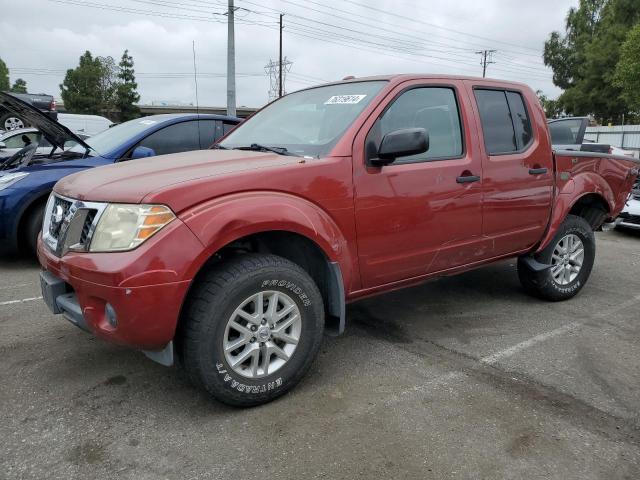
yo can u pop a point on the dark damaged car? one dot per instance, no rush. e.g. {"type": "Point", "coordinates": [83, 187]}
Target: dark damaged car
{"type": "Point", "coordinates": [27, 177]}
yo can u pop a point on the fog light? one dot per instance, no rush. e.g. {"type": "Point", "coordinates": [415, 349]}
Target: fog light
{"type": "Point", "coordinates": [110, 313]}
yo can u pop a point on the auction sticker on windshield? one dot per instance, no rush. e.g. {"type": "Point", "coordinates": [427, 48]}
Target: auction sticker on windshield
{"type": "Point", "coordinates": [344, 99]}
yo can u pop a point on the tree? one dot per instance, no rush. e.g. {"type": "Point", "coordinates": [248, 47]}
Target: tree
{"type": "Point", "coordinates": [4, 77]}
{"type": "Point", "coordinates": [126, 90]}
{"type": "Point", "coordinates": [19, 86]}
{"type": "Point", "coordinates": [627, 74]}
{"type": "Point", "coordinates": [584, 59]}
{"type": "Point", "coordinates": [552, 108]}
{"type": "Point", "coordinates": [90, 87]}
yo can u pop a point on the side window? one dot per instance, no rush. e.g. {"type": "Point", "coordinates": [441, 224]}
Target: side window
{"type": "Point", "coordinates": [497, 127]}
{"type": "Point", "coordinates": [432, 108]}
{"type": "Point", "coordinates": [208, 132]}
{"type": "Point", "coordinates": [180, 137]}
{"type": "Point", "coordinates": [24, 139]}
{"type": "Point", "coordinates": [521, 121]}
{"type": "Point", "coordinates": [227, 127]}
{"type": "Point", "coordinates": [565, 132]}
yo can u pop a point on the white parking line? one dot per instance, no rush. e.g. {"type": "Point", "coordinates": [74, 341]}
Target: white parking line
{"type": "Point", "coordinates": [17, 285]}
{"type": "Point", "coordinates": [507, 352]}
{"type": "Point", "coordinates": [11, 302]}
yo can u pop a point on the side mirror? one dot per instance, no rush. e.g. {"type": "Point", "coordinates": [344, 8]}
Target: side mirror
{"type": "Point", "coordinates": [2, 145]}
{"type": "Point", "coordinates": [401, 143]}
{"type": "Point", "coordinates": [142, 152]}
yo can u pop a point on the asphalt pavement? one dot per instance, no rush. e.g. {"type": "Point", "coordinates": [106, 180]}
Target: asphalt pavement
{"type": "Point", "coordinates": [463, 377]}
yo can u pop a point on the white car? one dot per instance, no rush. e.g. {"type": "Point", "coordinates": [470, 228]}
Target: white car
{"type": "Point", "coordinates": [15, 140]}
{"type": "Point", "coordinates": [630, 216]}
{"type": "Point", "coordinates": [84, 125]}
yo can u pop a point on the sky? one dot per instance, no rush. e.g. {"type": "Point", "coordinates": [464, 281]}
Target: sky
{"type": "Point", "coordinates": [325, 40]}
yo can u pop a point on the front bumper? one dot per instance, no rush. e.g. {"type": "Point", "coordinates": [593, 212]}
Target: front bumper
{"type": "Point", "coordinates": [130, 298]}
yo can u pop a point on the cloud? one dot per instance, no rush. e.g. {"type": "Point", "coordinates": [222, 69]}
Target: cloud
{"type": "Point", "coordinates": [53, 39]}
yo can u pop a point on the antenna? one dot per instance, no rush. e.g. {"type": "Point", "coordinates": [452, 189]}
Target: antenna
{"type": "Point", "coordinates": [195, 81]}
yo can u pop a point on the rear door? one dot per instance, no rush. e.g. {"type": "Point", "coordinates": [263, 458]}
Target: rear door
{"type": "Point", "coordinates": [517, 165]}
{"type": "Point", "coordinates": [422, 213]}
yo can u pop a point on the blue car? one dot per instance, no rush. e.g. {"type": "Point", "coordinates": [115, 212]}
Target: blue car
{"type": "Point", "coordinates": [27, 178]}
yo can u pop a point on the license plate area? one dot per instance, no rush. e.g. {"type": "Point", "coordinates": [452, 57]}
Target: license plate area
{"type": "Point", "coordinates": [52, 287]}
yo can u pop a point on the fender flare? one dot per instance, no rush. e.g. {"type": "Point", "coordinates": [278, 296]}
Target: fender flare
{"type": "Point", "coordinates": [569, 195]}
{"type": "Point", "coordinates": [221, 221]}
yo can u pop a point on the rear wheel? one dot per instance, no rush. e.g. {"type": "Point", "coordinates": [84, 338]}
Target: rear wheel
{"type": "Point", "coordinates": [570, 255]}
{"type": "Point", "coordinates": [251, 329]}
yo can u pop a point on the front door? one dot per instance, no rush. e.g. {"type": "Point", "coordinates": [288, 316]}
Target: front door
{"type": "Point", "coordinates": [423, 213]}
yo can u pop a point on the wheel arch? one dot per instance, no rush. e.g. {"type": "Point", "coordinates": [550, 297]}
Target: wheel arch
{"type": "Point", "coordinates": [26, 209]}
{"type": "Point", "coordinates": [594, 205]}
{"type": "Point", "coordinates": [280, 224]}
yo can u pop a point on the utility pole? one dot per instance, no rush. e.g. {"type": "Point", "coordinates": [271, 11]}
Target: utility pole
{"type": "Point", "coordinates": [280, 60]}
{"type": "Point", "coordinates": [231, 62]}
{"type": "Point", "coordinates": [486, 59]}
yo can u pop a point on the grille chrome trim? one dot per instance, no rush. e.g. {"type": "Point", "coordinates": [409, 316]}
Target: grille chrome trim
{"type": "Point", "coordinates": [61, 238]}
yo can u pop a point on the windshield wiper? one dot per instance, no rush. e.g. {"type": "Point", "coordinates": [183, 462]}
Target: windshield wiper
{"type": "Point", "coordinates": [264, 148]}
{"type": "Point", "coordinates": [217, 146]}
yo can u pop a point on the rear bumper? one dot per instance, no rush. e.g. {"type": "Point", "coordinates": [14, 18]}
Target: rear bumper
{"type": "Point", "coordinates": [128, 298]}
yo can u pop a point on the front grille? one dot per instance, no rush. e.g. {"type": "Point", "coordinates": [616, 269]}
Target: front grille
{"type": "Point", "coordinates": [58, 214]}
{"type": "Point", "coordinates": [86, 227]}
{"type": "Point", "coordinates": [69, 224]}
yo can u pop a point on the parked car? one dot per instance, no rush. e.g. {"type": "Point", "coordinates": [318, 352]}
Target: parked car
{"type": "Point", "coordinates": [27, 177]}
{"type": "Point", "coordinates": [15, 140]}
{"type": "Point", "coordinates": [630, 216]}
{"type": "Point", "coordinates": [87, 125]}
{"type": "Point", "coordinates": [236, 260]}
{"type": "Point", "coordinates": [15, 119]}
{"type": "Point", "coordinates": [568, 134]}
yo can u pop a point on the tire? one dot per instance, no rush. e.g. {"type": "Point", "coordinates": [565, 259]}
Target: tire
{"type": "Point", "coordinates": [562, 281]}
{"type": "Point", "coordinates": [206, 324]}
{"type": "Point", "coordinates": [33, 226]}
{"type": "Point", "coordinates": [9, 122]}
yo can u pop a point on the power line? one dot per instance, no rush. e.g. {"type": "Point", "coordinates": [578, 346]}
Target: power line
{"type": "Point", "coordinates": [486, 59]}
{"type": "Point", "coordinates": [308, 31]}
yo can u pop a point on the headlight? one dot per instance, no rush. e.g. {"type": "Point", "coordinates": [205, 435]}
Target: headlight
{"type": "Point", "coordinates": [123, 227]}
{"type": "Point", "coordinates": [11, 178]}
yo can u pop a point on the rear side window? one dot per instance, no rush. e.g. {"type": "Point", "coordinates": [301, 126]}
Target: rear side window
{"type": "Point", "coordinates": [208, 132]}
{"type": "Point", "coordinates": [521, 121]}
{"type": "Point", "coordinates": [497, 127]}
{"type": "Point", "coordinates": [179, 137]}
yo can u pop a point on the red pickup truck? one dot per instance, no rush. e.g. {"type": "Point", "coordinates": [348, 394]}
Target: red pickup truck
{"type": "Point", "coordinates": [233, 261]}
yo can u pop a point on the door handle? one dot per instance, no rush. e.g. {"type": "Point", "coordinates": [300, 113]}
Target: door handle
{"type": "Point", "coordinates": [537, 171]}
{"type": "Point", "coordinates": [468, 179]}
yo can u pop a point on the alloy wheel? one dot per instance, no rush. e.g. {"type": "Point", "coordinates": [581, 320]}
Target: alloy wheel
{"type": "Point", "coordinates": [262, 334]}
{"type": "Point", "coordinates": [567, 258]}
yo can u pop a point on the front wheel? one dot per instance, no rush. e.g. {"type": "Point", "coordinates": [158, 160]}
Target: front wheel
{"type": "Point", "coordinates": [570, 256]}
{"type": "Point", "coordinates": [251, 329]}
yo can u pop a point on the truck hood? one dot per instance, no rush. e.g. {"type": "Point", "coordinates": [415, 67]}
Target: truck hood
{"type": "Point", "coordinates": [132, 181]}
{"type": "Point", "coordinates": [56, 133]}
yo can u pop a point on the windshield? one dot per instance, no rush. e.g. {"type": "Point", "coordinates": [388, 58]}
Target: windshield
{"type": "Point", "coordinates": [108, 140]}
{"type": "Point", "coordinates": [306, 123]}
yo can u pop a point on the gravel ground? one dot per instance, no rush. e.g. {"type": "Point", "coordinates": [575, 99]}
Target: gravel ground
{"type": "Point", "coordinates": [463, 377]}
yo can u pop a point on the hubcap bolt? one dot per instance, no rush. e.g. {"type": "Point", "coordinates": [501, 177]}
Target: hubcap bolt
{"type": "Point", "coordinates": [264, 321]}
{"type": "Point", "coordinates": [253, 339]}
{"type": "Point", "coordinates": [253, 328]}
